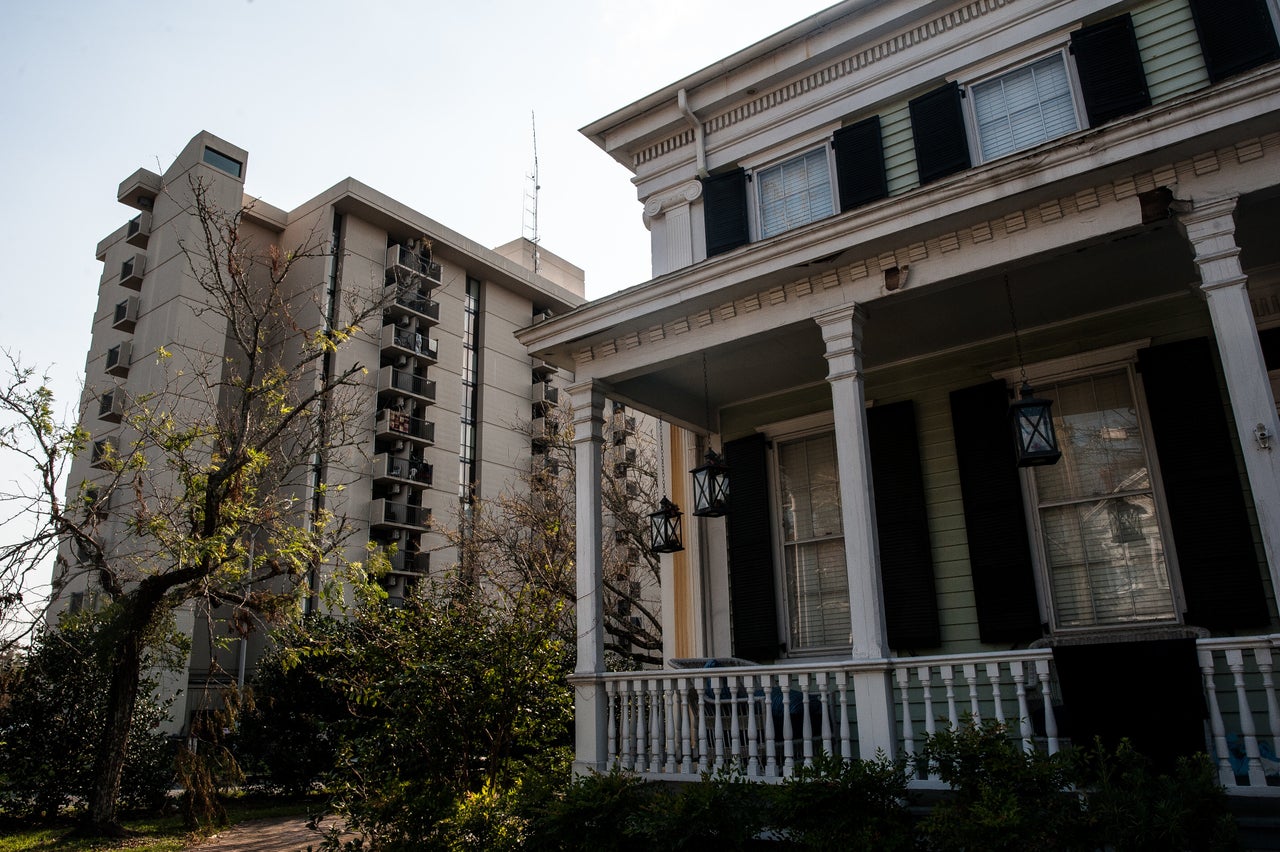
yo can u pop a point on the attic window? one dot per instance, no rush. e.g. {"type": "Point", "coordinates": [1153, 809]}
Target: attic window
{"type": "Point", "coordinates": [221, 161]}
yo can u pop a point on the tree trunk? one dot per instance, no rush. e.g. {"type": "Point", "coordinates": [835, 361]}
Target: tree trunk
{"type": "Point", "coordinates": [122, 696]}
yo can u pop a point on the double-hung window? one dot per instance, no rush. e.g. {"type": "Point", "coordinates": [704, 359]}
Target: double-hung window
{"type": "Point", "coordinates": [794, 192]}
{"type": "Point", "coordinates": [1024, 107]}
{"type": "Point", "coordinates": [816, 585]}
{"type": "Point", "coordinates": [1095, 511]}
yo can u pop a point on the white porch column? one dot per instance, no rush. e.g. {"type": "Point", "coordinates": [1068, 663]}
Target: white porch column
{"type": "Point", "coordinates": [590, 705]}
{"type": "Point", "coordinates": [1210, 227]}
{"type": "Point", "coordinates": [873, 692]}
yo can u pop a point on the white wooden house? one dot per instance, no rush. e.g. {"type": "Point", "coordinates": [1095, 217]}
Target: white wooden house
{"type": "Point", "coordinates": [866, 229]}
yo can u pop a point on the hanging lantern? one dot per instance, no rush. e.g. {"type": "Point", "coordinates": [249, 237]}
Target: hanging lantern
{"type": "Point", "coordinates": [711, 487]}
{"type": "Point", "coordinates": [1033, 435]}
{"type": "Point", "coordinates": [664, 528]}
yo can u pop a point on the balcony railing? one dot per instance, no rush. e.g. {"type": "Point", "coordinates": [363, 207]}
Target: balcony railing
{"type": "Point", "coordinates": [389, 468]}
{"type": "Point", "coordinates": [411, 563]}
{"type": "Point", "coordinates": [411, 302]}
{"type": "Point", "coordinates": [389, 513]}
{"type": "Point", "coordinates": [391, 380]}
{"type": "Point", "coordinates": [410, 343]}
{"type": "Point", "coordinates": [767, 721]}
{"type": "Point", "coordinates": [404, 263]}
{"type": "Point", "coordinates": [391, 424]}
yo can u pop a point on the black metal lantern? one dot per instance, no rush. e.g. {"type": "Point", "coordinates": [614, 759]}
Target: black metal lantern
{"type": "Point", "coordinates": [711, 487]}
{"type": "Point", "coordinates": [1032, 420]}
{"type": "Point", "coordinates": [664, 528]}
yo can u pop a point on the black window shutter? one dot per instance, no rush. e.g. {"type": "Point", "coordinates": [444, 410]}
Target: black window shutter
{"type": "Point", "coordinates": [1235, 35]}
{"type": "Point", "coordinates": [753, 601]}
{"type": "Point", "coordinates": [860, 163]}
{"type": "Point", "coordinates": [1220, 572]}
{"type": "Point", "coordinates": [902, 525]}
{"type": "Point", "coordinates": [937, 128]}
{"type": "Point", "coordinates": [1270, 340]}
{"type": "Point", "coordinates": [995, 522]}
{"type": "Point", "coordinates": [1112, 79]}
{"type": "Point", "coordinates": [724, 211]}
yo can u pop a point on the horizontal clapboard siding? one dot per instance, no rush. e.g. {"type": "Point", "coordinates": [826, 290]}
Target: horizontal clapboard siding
{"type": "Point", "coordinates": [1170, 50]}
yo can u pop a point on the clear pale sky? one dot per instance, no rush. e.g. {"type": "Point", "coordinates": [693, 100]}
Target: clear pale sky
{"type": "Point", "coordinates": [428, 102]}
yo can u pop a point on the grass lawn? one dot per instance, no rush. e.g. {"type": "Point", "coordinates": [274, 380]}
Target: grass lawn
{"type": "Point", "coordinates": [154, 834]}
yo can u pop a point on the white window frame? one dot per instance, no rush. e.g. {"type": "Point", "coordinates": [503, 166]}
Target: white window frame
{"type": "Point", "coordinates": [1110, 359]}
{"type": "Point", "coordinates": [1054, 44]}
{"type": "Point", "coordinates": [777, 155]}
{"type": "Point", "coordinates": [791, 430]}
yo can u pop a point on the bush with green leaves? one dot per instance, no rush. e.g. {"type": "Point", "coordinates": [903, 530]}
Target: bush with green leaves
{"type": "Point", "coordinates": [856, 804]}
{"type": "Point", "coordinates": [52, 719]}
{"type": "Point", "coordinates": [1132, 807]}
{"type": "Point", "coordinates": [1004, 797]}
{"type": "Point", "coordinates": [442, 699]}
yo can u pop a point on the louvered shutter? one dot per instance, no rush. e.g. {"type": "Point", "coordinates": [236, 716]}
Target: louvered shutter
{"type": "Point", "coordinates": [1211, 532]}
{"type": "Point", "coordinates": [1235, 35]}
{"type": "Point", "coordinates": [860, 172]}
{"type": "Point", "coordinates": [937, 128]}
{"type": "Point", "coordinates": [724, 211]}
{"type": "Point", "coordinates": [753, 600]}
{"type": "Point", "coordinates": [995, 520]}
{"type": "Point", "coordinates": [902, 525]}
{"type": "Point", "coordinates": [1112, 79]}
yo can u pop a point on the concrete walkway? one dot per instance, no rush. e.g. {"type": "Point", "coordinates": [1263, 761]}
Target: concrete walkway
{"type": "Point", "coordinates": [278, 834]}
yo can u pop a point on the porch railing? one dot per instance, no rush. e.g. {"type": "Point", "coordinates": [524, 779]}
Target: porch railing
{"type": "Point", "coordinates": [767, 721]}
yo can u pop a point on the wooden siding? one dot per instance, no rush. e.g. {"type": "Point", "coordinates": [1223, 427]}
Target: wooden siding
{"type": "Point", "coordinates": [899, 153]}
{"type": "Point", "coordinates": [1170, 50]}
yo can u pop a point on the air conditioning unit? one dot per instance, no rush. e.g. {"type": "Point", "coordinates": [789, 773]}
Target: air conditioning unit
{"type": "Point", "coordinates": [402, 360]}
{"type": "Point", "coordinates": [404, 320]}
{"type": "Point", "coordinates": [394, 490]}
{"type": "Point", "coordinates": [398, 446]}
{"type": "Point", "coordinates": [396, 470]}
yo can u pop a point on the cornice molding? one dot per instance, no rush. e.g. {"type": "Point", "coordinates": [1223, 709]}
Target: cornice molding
{"type": "Point", "coordinates": [981, 235]}
{"type": "Point", "coordinates": [828, 74]}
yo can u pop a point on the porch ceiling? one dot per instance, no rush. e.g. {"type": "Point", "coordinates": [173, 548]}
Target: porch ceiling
{"type": "Point", "coordinates": [912, 324]}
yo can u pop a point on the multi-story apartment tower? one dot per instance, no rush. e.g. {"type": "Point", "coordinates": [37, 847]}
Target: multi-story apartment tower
{"type": "Point", "coordinates": [448, 388]}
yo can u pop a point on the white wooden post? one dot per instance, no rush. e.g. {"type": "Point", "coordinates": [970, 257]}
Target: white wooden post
{"type": "Point", "coordinates": [872, 690]}
{"type": "Point", "coordinates": [590, 707]}
{"type": "Point", "coordinates": [1210, 228]}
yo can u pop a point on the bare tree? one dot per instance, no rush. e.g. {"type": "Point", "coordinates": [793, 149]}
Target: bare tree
{"type": "Point", "coordinates": [211, 478]}
{"type": "Point", "coordinates": [525, 539]}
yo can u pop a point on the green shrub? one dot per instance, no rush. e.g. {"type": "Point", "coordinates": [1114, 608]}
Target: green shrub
{"type": "Point", "coordinates": [723, 811]}
{"type": "Point", "coordinates": [594, 813]}
{"type": "Point", "coordinates": [857, 804]}
{"type": "Point", "coordinates": [1132, 807]}
{"type": "Point", "coordinates": [51, 723]}
{"type": "Point", "coordinates": [1004, 797]}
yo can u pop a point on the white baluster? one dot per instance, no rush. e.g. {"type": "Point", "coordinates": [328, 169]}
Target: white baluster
{"type": "Point", "coordinates": [1263, 658]}
{"type": "Point", "coordinates": [1050, 721]}
{"type": "Point", "coordinates": [704, 746]}
{"type": "Point", "coordinates": [611, 690]}
{"type": "Point", "coordinates": [824, 704]}
{"type": "Point", "coordinates": [669, 712]}
{"type": "Point", "coordinates": [846, 733]}
{"type": "Point", "coordinates": [1226, 776]}
{"type": "Point", "coordinates": [925, 675]}
{"type": "Point", "coordinates": [903, 676]}
{"type": "Point", "coordinates": [770, 741]}
{"type": "Point", "coordinates": [642, 728]}
{"type": "Point", "coordinates": [1019, 670]}
{"type": "Point", "coordinates": [807, 724]}
{"type": "Point", "coordinates": [949, 681]}
{"type": "Point", "coordinates": [1235, 662]}
{"type": "Point", "coordinates": [971, 681]}
{"type": "Point", "coordinates": [655, 726]}
{"type": "Point", "coordinates": [753, 739]}
{"type": "Point", "coordinates": [788, 746]}
{"type": "Point", "coordinates": [684, 732]}
{"type": "Point", "coordinates": [993, 676]}
{"type": "Point", "coordinates": [735, 725]}
{"type": "Point", "coordinates": [717, 702]}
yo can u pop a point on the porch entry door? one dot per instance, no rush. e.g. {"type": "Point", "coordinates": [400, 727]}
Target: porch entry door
{"type": "Point", "coordinates": [1097, 517]}
{"type": "Point", "coordinates": [816, 584]}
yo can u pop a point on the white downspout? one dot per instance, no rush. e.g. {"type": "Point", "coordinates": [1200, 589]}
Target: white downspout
{"type": "Point", "coordinates": [699, 143]}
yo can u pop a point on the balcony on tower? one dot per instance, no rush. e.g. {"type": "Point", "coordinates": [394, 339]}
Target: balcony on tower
{"type": "Point", "coordinates": [395, 382]}
{"type": "Point", "coordinates": [392, 425]}
{"type": "Point", "coordinates": [403, 342]}
{"type": "Point", "coordinates": [132, 270]}
{"type": "Point", "coordinates": [413, 471]}
{"type": "Point", "coordinates": [405, 265]}
{"type": "Point", "coordinates": [139, 231]}
{"type": "Point", "coordinates": [385, 512]}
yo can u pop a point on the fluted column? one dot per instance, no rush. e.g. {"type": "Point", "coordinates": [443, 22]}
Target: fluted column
{"type": "Point", "coordinates": [873, 692]}
{"type": "Point", "coordinates": [590, 701]}
{"type": "Point", "coordinates": [1210, 228]}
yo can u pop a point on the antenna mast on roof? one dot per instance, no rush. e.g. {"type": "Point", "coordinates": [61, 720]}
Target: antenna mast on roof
{"type": "Point", "coordinates": [531, 200]}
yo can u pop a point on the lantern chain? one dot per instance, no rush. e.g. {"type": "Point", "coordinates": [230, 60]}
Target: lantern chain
{"type": "Point", "coordinates": [1017, 339]}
